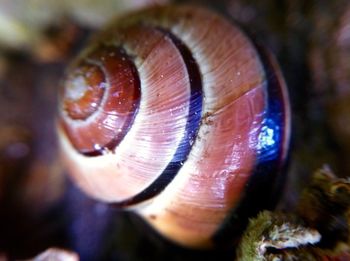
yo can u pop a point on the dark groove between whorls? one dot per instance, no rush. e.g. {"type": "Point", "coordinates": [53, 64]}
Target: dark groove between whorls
{"type": "Point", "coordinates": [191, 130]}
{"type": "Point", "coordinates": [114, 142]}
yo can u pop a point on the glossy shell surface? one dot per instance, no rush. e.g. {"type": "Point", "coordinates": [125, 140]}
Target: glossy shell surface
{"type": "Point", "coordinates": [189, 122]}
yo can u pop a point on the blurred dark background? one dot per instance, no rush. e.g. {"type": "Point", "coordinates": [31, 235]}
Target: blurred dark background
{"type": "Point", "coordinates": [40, 208]}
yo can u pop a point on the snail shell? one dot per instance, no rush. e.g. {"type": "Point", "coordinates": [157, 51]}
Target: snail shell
{"type": "Point", "coordinates": [173, 112]}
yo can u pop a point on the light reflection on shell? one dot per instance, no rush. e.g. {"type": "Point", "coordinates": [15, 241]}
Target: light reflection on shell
{"type": "Point", "coordinates": [197, 135]}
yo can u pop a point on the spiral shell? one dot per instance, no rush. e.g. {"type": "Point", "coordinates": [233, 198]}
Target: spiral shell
{"type": "Point", "coordinates": [173, 111]}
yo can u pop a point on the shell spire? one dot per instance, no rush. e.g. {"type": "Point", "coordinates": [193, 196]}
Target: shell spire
{"type": "Point", "coordinates": [188, 120]}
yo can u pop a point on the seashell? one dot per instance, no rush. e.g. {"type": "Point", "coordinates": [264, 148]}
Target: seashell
{"type": "Point", "coordinates": [174, 113]}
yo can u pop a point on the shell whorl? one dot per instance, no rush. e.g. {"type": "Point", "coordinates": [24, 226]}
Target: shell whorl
{"type": "Point", "coordinates": [190, 118]}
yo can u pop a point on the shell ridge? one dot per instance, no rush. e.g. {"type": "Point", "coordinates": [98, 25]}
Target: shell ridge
{"type": "Point", "coordinates": [191, 129]}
